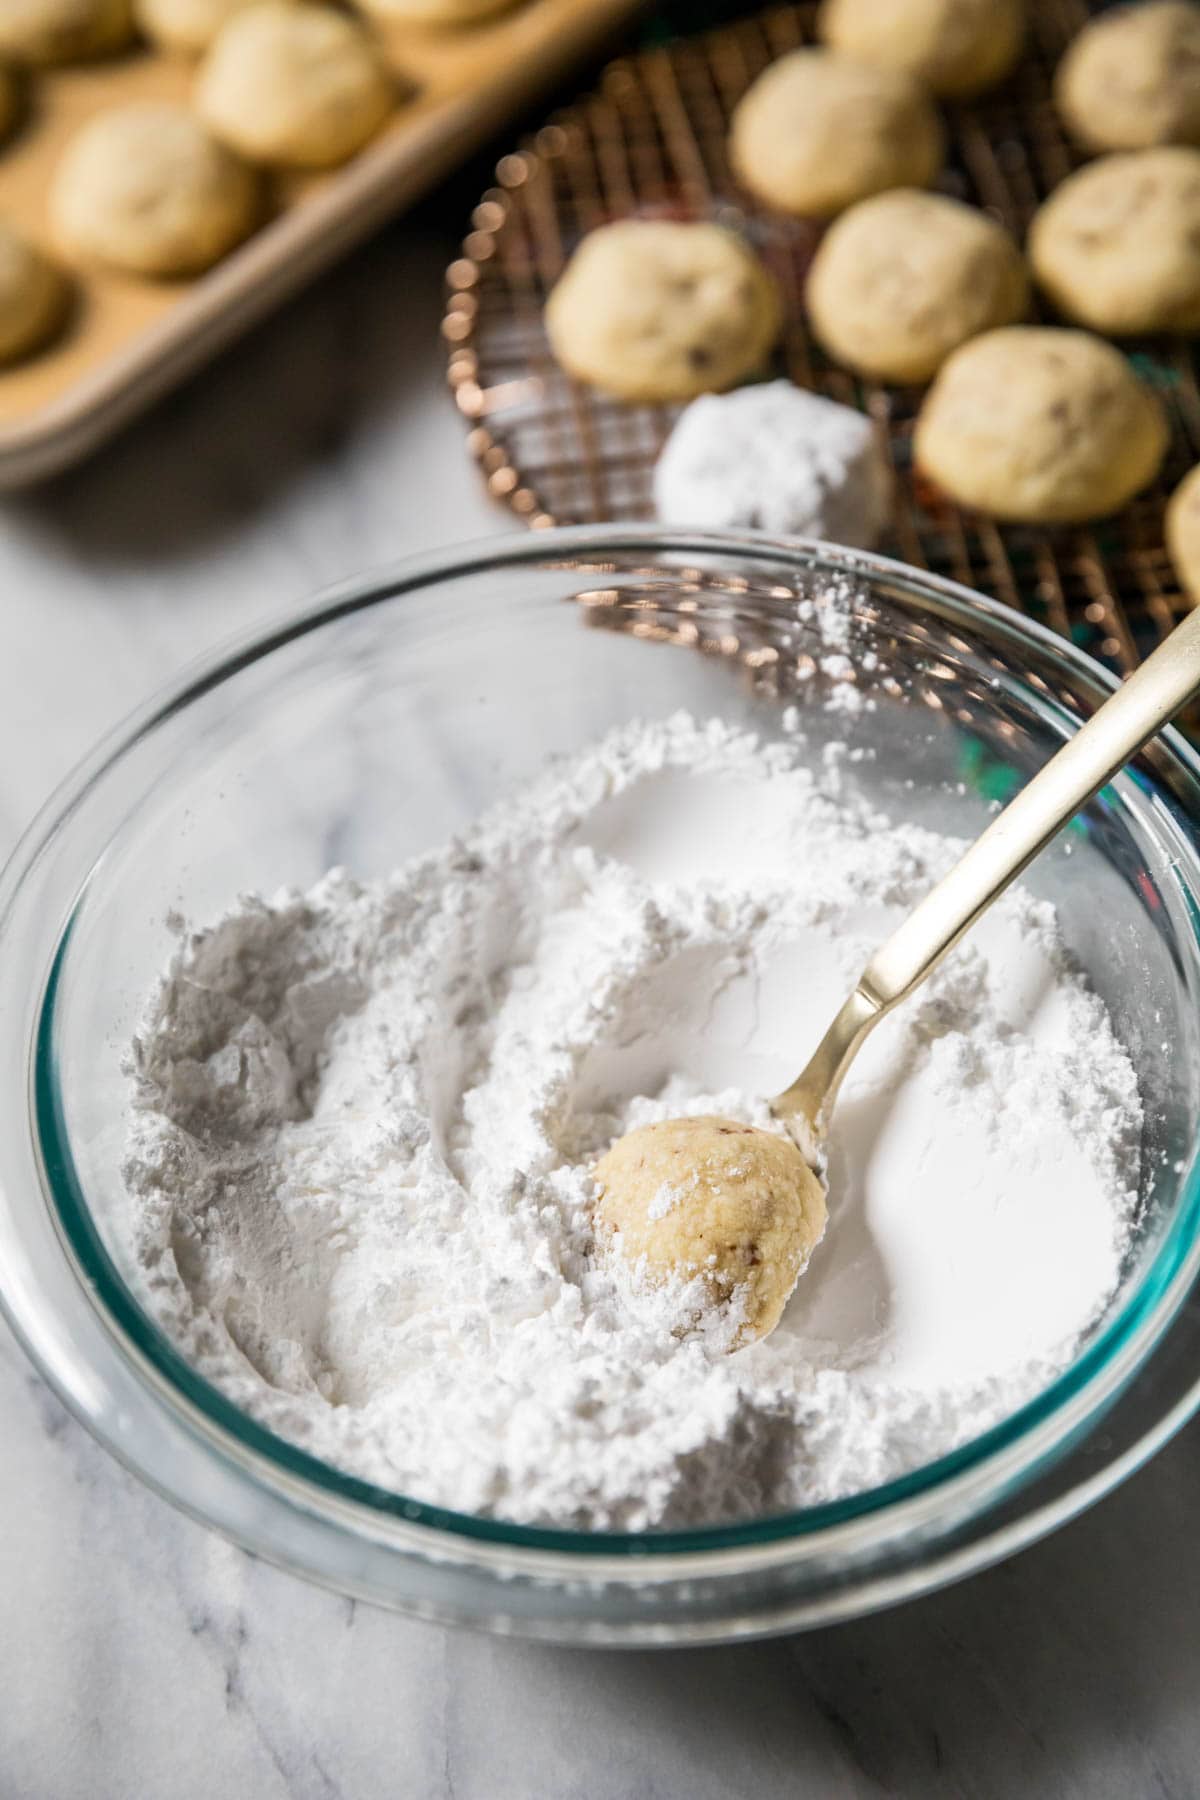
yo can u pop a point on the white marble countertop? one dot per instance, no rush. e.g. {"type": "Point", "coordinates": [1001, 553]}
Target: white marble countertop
{"type": "Point", "coordinates": [139, 1655]}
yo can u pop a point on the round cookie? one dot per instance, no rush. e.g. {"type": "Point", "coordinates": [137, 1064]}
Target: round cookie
{"type": "Point", "coordinates": [188, 26]}
{"type": "Point", "coordinates": [773, 457]}
{"type": "Point", "coordinates": [435, 12]}
{"type": "Point", "coordinates": [956, 47]}
{"type": "Point", "coordinates": [651, 309]}
{"type": "Point", "coordinates": [1117, 245]}
{"type": "Point", "coordinates": [1039, 424]}
{"type": "Point", "coordinates": [60, 31]}
{"type": "Point", "coordinates": [1132, 78]}
{"type": "Point", "coordinates": [709, 1200]}
{"type": "Point", "coordinates": [33, 296]}
{"type": "Point", "coordinates": [1182, 525]}
{"type": "Point", "coordinates": [296, 85]}
{"type": "Point", "coordinates": [145, 188]}
{"type": "Point", "coordinates": [817, 131]}
{"type": "Point", "coordinates": [902, 279]}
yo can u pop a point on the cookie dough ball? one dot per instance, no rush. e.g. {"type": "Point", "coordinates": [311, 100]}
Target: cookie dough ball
{"type": "Point", "coordinates": [818, 131]}
{"type": "Point", "coordinates": [1117, 246]}
{"type": "Point", "coordinates": [654, 310]}
{"type": "Point", "coordinates": [60, 31]}
{"type": "Point", "coordinates": [1132, 78]}
{"type": "Point", "coordinates": [774, 457]}
{"type": "Point", "coordinates": [1183, 532]}
{"type": "Point", "coordinates": [145, 188]}
{"type": "Point", "coordinates": [188, 26]}
{"type": "Point", "coordinates": [294, 85]}
{"type": "Point", "coordinates": [904, 278]}
{"type": "Point", "coordinates": [436, 12]}
{"type": "Point", "coordinates": [707, 1198]}
{"type": "Point", "coordinates": [33, 296]}
{"type": "Point", "coordinates": [1042, 425]}
{"type": "Point", "coordinates": [956, 47]}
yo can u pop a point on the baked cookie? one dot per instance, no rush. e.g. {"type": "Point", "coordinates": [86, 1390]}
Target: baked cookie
{"type": "Point", "coordinates": [774, 457]}
{"type": "Point", "coordinates": [651, 309]}
{"type": "Point", "coordinates": [1117, 246]}
{"type": "Point", "coordinates": [435, 12]}
{"type": "Point", "coordinates": [904, 278]}
{"type": "Point", "coordinates": [33, 296]}
{"type": "Point", "coordinates": [956, 47]}
{"type": "Point", "coordinates": [188, 26]}
{"type": "Point", "coordinates": [817, 131]}
{"type": "Point", "coordinates": [59, 31]}
{"type": "Point", "coordinates": [1040, 424]}
{"type": "Point", "coordinates": [1132, 78]}
{"type": "Point", "coordinates": [1183, 532]}
{"type": "Point", "coordinates": [295, 85]}
{"type": "Point", "coordinates": [145, 188]}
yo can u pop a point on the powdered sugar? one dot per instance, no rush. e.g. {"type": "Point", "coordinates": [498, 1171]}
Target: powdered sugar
{"type": "Point", "coordinates": [364, 1117]}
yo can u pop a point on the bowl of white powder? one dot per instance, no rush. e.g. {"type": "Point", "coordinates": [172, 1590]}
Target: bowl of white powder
{"type": "Point", "coordinates": [327, 981]}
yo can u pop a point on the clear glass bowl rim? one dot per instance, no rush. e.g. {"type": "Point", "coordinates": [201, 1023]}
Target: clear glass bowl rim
{"type": "Point", "coordinates": [1076, 1399]}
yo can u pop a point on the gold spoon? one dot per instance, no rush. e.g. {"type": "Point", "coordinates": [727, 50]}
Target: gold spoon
{"type": "Point", "coordinates": [709, 1199]}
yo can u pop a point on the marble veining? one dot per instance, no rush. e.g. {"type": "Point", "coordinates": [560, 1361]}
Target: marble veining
{"type": "Point", "coordinates": [139, 1654]}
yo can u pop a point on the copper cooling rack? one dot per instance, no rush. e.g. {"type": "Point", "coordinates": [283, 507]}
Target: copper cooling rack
{"type": "Point", "coordinates": [652, 140]}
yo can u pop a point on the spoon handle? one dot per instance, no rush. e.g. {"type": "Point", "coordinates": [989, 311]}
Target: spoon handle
{"type": "Point", "coordinates": [1086, 761]}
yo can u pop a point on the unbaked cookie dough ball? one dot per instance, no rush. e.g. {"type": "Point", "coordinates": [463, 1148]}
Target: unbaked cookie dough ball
{"type": "Point", "coordinates": [1117, 246]}
{"type": "Point", "coordinates": [956, 47]}
{"type": "Point", "coordinates": [1038, 424]}
{"type": "Point", "coordinates": [1132, 78]}
{"type": "Point", "coordinates": [295, 85]}
{"type": "Point", "coordinates": [773, 457]}
{"type": "Point", "coordinates": [904, 278]}
{"type": "Point", "coordinates": [144, 187]}
{"type": "Point", "coordinates": [707, 1198]}
{"type": "Point", "coordinates": [1183, 532]}
{"type": "Point", "coordinates": [651, 309]}
{"type": "Point", "coordinates": [436, 12]}
{"type": "Point", "coordinates": [818, 131]}
{"type": "Point", "coordinates": [33, 296]}
{"type": "Point", "coordinates": [186, 25]}
{"type": "Point", "coordinates": [60, 31]}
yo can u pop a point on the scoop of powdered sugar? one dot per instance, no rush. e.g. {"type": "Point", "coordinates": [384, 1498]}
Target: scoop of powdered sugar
{"type": "Point", "coordinates": [777, 458]}
{"type": "Point", "coordinates": [363, 1120]}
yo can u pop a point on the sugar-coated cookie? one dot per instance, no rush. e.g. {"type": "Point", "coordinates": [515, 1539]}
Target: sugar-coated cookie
{"type": "Point", "coordinates": [144, 187]}
{"type": "Point", "coordinates": [956, 47]}
{"type": "Point", "coordinates": [651, 309]}
{"type": "Point", "coordinates": [1117, 245]}
{"type": "Point", "coordinates": [1183, 532]}
{"type": "Point", "coordinates": [1132, 78]}
{"type": "Point", "coordinates": [296, 85]}
{"type": "Point", "coordinates": [1040, 424]}
{"type": "Point", "coordinates": [904, 278]}
{"type": "Point", "coordinates": [186, 25]}
{"type": "Point", "coordinates": [818, 131]}
{"type": "Point", "coordinates": [60, 31]}
{"type": "Point", "coordinates": [436, 12]}
{"type": "Point", "coordinates": [33, 296]}
{"type": "Point", "coordinates": [774, 457]}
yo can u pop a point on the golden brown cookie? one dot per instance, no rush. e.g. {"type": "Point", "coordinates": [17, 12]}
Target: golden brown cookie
{"type": "Point", "coordinates": [188, 26]}
{"type": "Point", "coordinates": [62, 31]}
{"type": "Point", "coordinates": [817, 131]}
{"type": "Point", "coordinates": [1132, 78]}
{"type": "Point", "coordinates": [1117, 245]}
{"type": "Point", "coordinates": [144, 187]}
{"type": "Point", "coordinates": [1033, 423]}
{"type": "Point", "coordinates": [1183, 532]}
{"type": "Point", "coordinates": [297, 85]}
{"type": "Point", "coordinates": [956, 47]}
{"type": "Point", "coordinates": [651, 309]}
{"type": "Point", "coordinates": [904, 278]}
{"type": "Point", "coordinates": [33, 296]}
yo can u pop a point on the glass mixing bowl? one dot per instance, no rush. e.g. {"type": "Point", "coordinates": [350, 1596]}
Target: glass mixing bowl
{"type": "Point", "coordinates": [369, 728]}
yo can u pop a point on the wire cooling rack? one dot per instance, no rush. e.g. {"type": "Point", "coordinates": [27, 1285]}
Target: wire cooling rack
{"type": "Point", "coordinates": [652, 140]}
